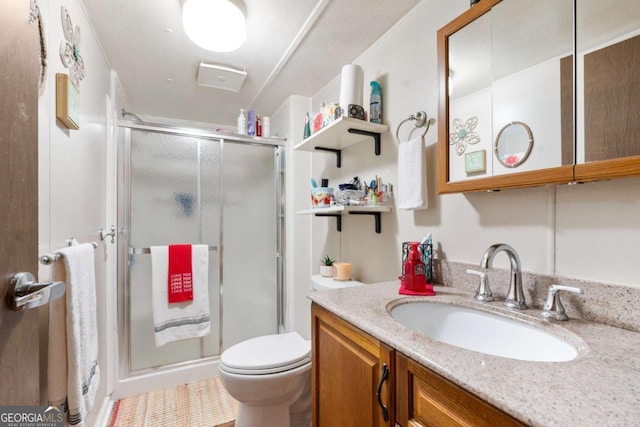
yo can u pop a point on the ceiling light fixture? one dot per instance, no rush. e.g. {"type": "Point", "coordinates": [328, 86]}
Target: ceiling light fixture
{"type": "Point", "coordinates": [215, 25]}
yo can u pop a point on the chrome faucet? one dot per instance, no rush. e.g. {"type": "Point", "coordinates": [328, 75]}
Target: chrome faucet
{"type": "Point", "coordinates": [515, 295]}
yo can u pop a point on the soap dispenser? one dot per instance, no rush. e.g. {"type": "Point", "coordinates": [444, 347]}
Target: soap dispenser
{"type": "Point", "coordinates": [414, 279]}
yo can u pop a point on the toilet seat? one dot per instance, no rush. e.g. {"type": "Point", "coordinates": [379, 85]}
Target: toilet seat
{"type": "Point", "coordinates": [268, 354]}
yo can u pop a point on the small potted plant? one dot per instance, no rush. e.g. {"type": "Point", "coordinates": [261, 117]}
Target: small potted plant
{"type": "Point", "coordinates": [326, 266]}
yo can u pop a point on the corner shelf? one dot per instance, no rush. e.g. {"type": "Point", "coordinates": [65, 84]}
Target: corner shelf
{"type": "Point", "coordinates": [338, 211]}
{"type": "Point", "coordinates": [341, 134]}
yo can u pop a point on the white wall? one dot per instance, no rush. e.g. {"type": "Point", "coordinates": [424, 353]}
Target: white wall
{"type": "Point", "coordinates": [72, 175]}
{"type": "Point", "coordinates": [286, 123]}
{"type": "Point", "coordinates": [588, 231]}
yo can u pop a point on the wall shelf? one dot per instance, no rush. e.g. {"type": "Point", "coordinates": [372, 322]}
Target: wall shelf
{"type": "Point", "coordinates": [341, 134]}
{"type": "Point", "coordinates": [338, 211]}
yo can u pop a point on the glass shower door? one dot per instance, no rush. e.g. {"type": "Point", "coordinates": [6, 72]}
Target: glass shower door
{"type": "Point", "coordinates": [249, 218]}
{"type": "Point", "coordinates": [196, 190]}
{"type": "Point", "coordinates": [174, 198]}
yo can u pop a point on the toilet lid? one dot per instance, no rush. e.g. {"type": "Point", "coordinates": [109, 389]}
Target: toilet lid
{"type": "Point", "coordinates": [267, 354]}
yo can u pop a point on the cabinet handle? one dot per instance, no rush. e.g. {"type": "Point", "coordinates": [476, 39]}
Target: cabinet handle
{"type": "Point", "coordinates": [383, 376]}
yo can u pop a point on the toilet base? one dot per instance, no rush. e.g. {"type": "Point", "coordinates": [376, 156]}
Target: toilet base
{"type": "Point", "coordinates": [271, 416]}
{"type": "Point", "coordinates": [263, 416]}
{"type": "Point", "coordinates": [286, 414]}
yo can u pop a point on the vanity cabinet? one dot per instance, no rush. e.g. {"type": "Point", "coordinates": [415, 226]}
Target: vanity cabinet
{"type": "Point", "coordinates": [354, 376]}
{"type": "Point", "coordinates": [350, 369]}
{"type": "Point", "coordinates": [424, 398]}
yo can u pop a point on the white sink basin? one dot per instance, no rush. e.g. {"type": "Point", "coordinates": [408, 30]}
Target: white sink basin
{"type": "Point", "coordinates": [484, 332]}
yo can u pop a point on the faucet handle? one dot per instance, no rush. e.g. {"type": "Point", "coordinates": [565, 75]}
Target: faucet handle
{"type": "Point", "coordinates": [553, 308]}
{"type": "Point", "coordinates": [484, 291]}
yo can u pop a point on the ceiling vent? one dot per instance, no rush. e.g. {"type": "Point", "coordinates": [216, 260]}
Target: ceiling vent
{"type": "Point", "coordinates": [220, 77]}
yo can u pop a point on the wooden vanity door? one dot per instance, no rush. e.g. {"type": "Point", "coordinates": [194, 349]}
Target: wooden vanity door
{"type": "Point", "coordinates": [347, 368]}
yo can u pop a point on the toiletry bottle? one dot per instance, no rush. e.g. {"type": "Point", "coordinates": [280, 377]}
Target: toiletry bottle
{"type": "Point", "coordinates": [258, 125]}
{"type": "Point", "coordinates": [266, 127]}
{"type": "Point", "coordinates": [251, 123]}
{"type": "Point", "coordinates": [242, 122]}
{"type": "Point", "coordinates": [375, 103]}
{"type": "Point", "coordinates": [307, 127]}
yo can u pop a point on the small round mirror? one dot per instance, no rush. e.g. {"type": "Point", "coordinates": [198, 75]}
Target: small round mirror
{"type": "Point", "coordinates": [513, 144]}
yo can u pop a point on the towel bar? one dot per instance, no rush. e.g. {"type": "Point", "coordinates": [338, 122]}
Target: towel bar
{"type": "Point", "coordinates": [420, 120]}
{"type": "Point", "coordinates": [139, 251]}
{"type": "Point", "coordinates": [48, 259]}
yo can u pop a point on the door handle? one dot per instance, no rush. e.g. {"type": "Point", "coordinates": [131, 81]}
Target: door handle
{"type": "Point", "coordinates": [25, 292]}
{"type": "Point", "coordinates": [383, 376]}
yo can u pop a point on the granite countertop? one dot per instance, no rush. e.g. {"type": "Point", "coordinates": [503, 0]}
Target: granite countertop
{"type": "Point", "coordinates": [601, 387]}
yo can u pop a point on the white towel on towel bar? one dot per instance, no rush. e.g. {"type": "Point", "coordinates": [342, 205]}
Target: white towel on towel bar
{"type": "Point", "coordinates": [73, 371]}
{"type": "Point", "coordinates": [182, 320]}
{"type": "Point", "coordinates": [412, 177]}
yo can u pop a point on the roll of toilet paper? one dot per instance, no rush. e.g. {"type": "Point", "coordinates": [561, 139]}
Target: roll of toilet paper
{"type": "Point", "coordinates": [351, 84]}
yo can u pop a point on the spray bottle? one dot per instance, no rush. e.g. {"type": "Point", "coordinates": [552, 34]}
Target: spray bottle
{"type": "Point", "coordinates": [375, 103]}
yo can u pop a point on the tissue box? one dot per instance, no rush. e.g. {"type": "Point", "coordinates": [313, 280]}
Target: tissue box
{"type": "Point", "coordinates": [321, 197]}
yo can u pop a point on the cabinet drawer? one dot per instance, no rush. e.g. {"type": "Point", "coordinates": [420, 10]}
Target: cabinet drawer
{"type": "Point", "coordinates": [424, 398]}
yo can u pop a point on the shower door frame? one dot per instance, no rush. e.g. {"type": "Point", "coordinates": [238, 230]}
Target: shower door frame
{"type": "Point", "coordinates": [123, 205]}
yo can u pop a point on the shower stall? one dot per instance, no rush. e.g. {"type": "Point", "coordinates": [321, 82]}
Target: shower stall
{"type": "Point", "coordinates": [176, 186]}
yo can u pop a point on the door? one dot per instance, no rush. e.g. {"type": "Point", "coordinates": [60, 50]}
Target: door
{"type": "Point", "coordinates": [19, 56]}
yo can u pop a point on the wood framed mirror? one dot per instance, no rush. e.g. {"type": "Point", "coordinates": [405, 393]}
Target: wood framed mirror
{"type": "Point", "coordinates": [608, 95]}
{"type": "Point", "coordinates": [501, 62]}
{"type": "Point", "coordinates": [487, 60]}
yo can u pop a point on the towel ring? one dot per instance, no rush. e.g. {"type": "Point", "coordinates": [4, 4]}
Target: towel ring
{"type": "Point", "coordinates": [420, 120]}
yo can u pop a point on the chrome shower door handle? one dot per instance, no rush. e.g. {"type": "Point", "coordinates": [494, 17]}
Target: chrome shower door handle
{"type": "Point", "coordinates": [25, 292]}
{"type": "Point", "coordinates": [104, 234]}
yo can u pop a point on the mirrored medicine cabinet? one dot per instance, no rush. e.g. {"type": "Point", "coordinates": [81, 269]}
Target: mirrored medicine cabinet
{"type": "Point", "coordinates": [539, 92]}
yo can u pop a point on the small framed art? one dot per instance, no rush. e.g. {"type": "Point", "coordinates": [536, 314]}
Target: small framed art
{"type": "Point", "coordinates": [67, 102]}
{"type": "Point", "coordinates": [475, 161]}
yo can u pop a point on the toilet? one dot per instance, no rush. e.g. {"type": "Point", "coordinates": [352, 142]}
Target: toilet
{"type": "Point", "coordinates": [271, 378]}
{"type": "Point", "coordinates": [271, 375]}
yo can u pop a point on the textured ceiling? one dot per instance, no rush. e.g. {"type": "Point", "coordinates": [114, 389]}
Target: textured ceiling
{"type": "Point", "coordinates": [157, 64]}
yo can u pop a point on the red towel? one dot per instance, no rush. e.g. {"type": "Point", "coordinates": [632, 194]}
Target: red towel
{"type": "Point", "coordinates": [180, 274]}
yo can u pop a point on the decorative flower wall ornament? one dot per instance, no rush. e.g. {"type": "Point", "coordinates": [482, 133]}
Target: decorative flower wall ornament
{"type": "Point", "coordinates": [70, 49]}
{"type": "Point", "coordinates": [463, 134]}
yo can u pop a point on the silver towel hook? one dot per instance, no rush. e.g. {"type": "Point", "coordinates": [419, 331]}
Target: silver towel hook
{"type": "Point", "coordinates": [420, 119]}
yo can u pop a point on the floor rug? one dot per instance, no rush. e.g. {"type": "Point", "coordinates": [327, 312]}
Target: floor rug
{"type": "Point", "coordinates": [201, 404]}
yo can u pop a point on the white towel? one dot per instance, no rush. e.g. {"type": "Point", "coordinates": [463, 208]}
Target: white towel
{"type": "Point", "coordinates": [182, 320]}
{"type": "Point", "coordinates": [412, 176]}
{"type": "Point", "coordinates": [73, 371]}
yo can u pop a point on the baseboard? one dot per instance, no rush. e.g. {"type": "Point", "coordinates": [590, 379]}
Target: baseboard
{"type": "Point", "coordinates": [104, 416]}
